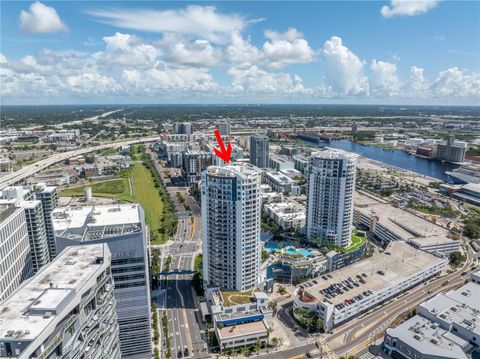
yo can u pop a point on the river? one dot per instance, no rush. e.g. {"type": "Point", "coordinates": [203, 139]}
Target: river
{"type": "Point", "coordinates": [396, 158]}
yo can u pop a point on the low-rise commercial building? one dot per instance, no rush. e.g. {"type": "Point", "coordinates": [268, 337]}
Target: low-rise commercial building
{"type": "Point", "coordinates": [239, 319]}
{"type": "Point", "coordinates": [281, 183]}
{"type": "Point", "coordinates": [66, 311]}
{"type": "Point", "coordinates": [287, 269]}
{"type": "Point", "coordinates": [445, 327]}
{"type": "Point", "coordinates": [361, 286]}
{"type": "Point", "coordinates": [300, 164]}
{"type": "Point", "coordinates": [62, 137]}
{"type": "Point", "coordinates": [280, 163]}
{"type": "Point", "coordinates": [288, 214]}
{"type": "Point", "coordinates": [389, 223]}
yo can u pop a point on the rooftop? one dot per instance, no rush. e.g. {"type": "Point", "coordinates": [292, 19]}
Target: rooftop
{"type": "Point", "coordinates": [460, 306]}
{"type": "Point", "coordinates": [428, 338]}
{"type": "Point", "coordinates": [93, 222]}
{"type": "Point", "coordinates": [242, 170]}
{"type": "Point", "coordinates": [399, 261]}
{"type": "Point", "coordinates": [403, 223]}
{"type": "Point", "coordinates": [253, 328]}
{"type": "Point", "coordinates": [36, 303]}
{"type": "Point", "coordinates": [333, 153]}
{"type": "Point", "coordinates": [280, 178]}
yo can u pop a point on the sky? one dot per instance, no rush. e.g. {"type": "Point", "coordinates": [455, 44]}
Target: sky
{"type": "Point", "coordinates": [345, 52]}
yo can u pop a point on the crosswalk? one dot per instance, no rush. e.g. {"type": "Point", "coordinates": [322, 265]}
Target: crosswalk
{"type": "Point", "coordinates": [369, 356]}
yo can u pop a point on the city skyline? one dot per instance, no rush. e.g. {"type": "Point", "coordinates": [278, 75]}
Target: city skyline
{"type": "Point", "coordinates": [232, 52]}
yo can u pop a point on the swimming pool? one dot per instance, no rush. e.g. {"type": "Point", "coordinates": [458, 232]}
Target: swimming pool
{"type": "Point", "coordinates": [271, 246]}
{"type": "Point", "coordinates": [304, 252]}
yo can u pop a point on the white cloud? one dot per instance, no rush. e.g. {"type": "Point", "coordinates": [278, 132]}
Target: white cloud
{"type": "Point", "coordinates": [384, 80]}
{"type": "Point", "coordinates": [127, 50]}
{"type": "Point", "coordinates": [407, 7]}
{"type": "Point", "coordinates": [254, 80]}
{"type": "Point", "coordinates": [164, 79]}
{"type": "Point", "coordinates": [41, 19]}
{"type": "Point", "coordinates": [241, 52]}
{"type": "Point", "coordinates": [454, 82]}
{"type": "Point", "coordinates": [417, 86]}
{"type": "Point", "coordinates": [3, 59]}
{"type": "Point", "coordinates": [344, 70]}
{"type": "Point", "coordinates": [287, 48]}
{"type": "Point", "coordinates": [194, 20]}
{"type": "Point", "coordinates": [47, 62]}
{"type": "Point", "coordinates": [180, 51]}
{"type": "Point", "coordinates": [92, 84]}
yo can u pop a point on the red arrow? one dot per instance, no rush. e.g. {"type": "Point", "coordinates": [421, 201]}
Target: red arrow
{"type": "Point", "coordinates": [223, 153]}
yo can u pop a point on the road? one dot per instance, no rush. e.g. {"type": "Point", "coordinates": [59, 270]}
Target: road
{"type": "Point", "coordinates": [179, 301]}
{"type": "Point", "coordinates": [27, 171]}
{"type": "Point", "coordinates": [357, 334]}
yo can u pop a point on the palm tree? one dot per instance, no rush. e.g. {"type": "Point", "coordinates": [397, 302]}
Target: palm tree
{"type": "Point", "coordinates": [275, 342]}
{"type": "Point", "coordinates": [269, 331]}
{"type": "Point", "coordinates": [257, 345]}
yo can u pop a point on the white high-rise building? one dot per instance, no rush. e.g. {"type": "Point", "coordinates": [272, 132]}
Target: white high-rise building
{"type": "Point", "coordinates": [40, 226]}
{"type": "Point", "coordinates": [231, 205]}
{"type": "Point", "coordinates": [36, 233]}
{"type": "Point", "coordinates": [259, 150]}
{"type": "Point", "coordinates": [123, 228]}
{"type": "Point", "coordinates": [67, 310]}
{"type": "Point", "coordinates": [15, 256]}
{"type": "Point", "coordinates": [48, 195]}
{"type": "Point", "coordinates": [331, 185]}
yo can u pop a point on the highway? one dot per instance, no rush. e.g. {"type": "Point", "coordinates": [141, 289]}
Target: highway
{"type": "Point", "coordinates": [27, 171]}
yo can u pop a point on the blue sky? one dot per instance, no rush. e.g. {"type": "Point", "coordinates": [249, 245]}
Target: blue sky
{"type": "Point", "coordinates": [399, 52]}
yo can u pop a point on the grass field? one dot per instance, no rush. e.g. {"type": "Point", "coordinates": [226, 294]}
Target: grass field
{"type": "Point", "coordinates": [145, 193]}
{"type": "Point", "coordinates": [149, 197]}
{"type": "Point", "coordinates": [233, 297]}
{"type": "Point", "coordinates": [115, 188]}
{"type": "Point", "coordinates": [357, 241]}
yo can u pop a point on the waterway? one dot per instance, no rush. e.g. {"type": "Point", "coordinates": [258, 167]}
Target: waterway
{"type": "Point", "coordinates": [396, 158]}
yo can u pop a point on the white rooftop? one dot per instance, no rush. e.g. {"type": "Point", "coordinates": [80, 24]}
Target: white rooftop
{"type": "Point", "coordinates": [232, 170]}
{"type": "Point", "coordinates": [43, 296]}
{"type": "Point", "coordinates": [333, 153]}
{"type": "Point", "coordinates": [69, 221]}
{"type": "Point", "coordinates": [429, 339]}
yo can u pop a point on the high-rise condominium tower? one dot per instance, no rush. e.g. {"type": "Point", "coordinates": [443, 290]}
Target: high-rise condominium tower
{"type": "Point", "coordinates": [122, 227]}
{"type": "Point", "coordinates": [224, 128]}
{"type": "Point", "coordinates": [259, 150]}
{"type": "Point", "coordinates": [67, 310]}
{"type": "Point", "coordinates": [48, 195]}
{"type": "Point", "coordinates": [182, 128]}
{"type": "Point", "coordinates": [231, 226]}
{"type": "Point", "coordinates": [15, 255]}
{"type": "Point", "coordinates": [331, 186]}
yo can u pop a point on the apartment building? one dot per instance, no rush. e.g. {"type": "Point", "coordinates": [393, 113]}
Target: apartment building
{"type": "Point", "coordinates": [259, 150]}
{"type": "Point", "coordinates": [15, 256]}
{"type": "Point", "coordinates": [231, 205]}
{"type": "Point", "coordinates": [122, 227]}
{"type": "Point", "coordinates": [67, 310]}
{"type": "Point", "coordinates": [331, 185]}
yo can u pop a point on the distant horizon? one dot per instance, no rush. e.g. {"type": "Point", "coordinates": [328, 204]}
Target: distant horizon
{"type": "Point", "coordinates": [168, 52]}
{"type": "Point", "coordinates": [236, 104]}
